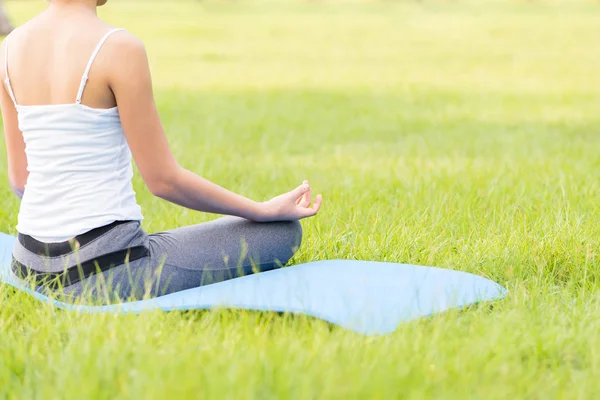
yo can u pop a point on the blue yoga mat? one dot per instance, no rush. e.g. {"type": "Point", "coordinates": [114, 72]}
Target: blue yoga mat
{"type": "Point", "coordinates": [371, 298]}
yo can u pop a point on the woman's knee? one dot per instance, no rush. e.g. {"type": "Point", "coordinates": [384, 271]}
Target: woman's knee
{"type": "Point", "coordinates": [289, 238]}
{"type": "Point", "coordinates": [294, 234]}
{"type": "Point", "coordinates": [284, 240]}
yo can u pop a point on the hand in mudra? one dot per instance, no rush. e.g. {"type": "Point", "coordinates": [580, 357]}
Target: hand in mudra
{"type": "Point", "coordinates": [291, 206]}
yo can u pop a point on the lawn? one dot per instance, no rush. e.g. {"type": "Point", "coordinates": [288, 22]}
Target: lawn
{"type": "Point", "coordinates": [461, 134]}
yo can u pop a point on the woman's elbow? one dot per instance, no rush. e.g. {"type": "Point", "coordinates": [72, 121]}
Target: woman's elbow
{"type": "Point", "coordinates": [162, 182]}
{"type": "Point", "coordinates": [159, 188]}
{"type": "Point", "coordinates": [162, 186]}
{"type": "Point", "coordinates": [18, 189]}
{"type": "Point", "coordinates": [18, 179]}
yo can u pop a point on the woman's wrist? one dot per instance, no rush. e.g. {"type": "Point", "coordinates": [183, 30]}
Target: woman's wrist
{"type": "Point", "coordinates": [257, 211]}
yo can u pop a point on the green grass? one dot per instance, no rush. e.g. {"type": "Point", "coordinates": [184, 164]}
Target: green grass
{"type": "Point", "coordinates": [458, 134]}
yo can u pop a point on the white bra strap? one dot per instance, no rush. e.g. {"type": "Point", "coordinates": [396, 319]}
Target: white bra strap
{"type": "Point", "coordinates": [84, 79]}
{"type": "Point", "coordinates": [6, 78]}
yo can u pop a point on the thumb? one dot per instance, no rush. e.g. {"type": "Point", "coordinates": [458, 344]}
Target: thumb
{"type": "Point", "coordinates": [299, 191]}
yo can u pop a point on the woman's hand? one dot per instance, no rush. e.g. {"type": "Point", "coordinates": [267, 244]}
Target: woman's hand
{"type": "Point", "coordinates": [291, 206]}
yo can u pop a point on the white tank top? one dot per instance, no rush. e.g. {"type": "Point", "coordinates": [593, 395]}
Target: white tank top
{"type": "Point", "coordinates": [79, 167]}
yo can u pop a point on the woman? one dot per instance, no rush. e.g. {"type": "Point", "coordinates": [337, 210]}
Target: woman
{"type": "Point", "coordinates": [77, 105]}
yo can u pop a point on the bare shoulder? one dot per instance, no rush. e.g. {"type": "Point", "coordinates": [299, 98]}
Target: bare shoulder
{"type": "Point", "coordinates": [3, 47]}
{"type": "Point", "coordinates": [20, 32]}
{"type": "Point", "coordinates": [126, 62]}
{"type": "Point", "coordinates": [125, 58]}
{"type": "Point", "coordinates": [127, 45]}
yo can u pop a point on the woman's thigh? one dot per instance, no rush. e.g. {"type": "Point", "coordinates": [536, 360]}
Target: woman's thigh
{"type": "Point", "coordinates": [197, 255]}
{"type": "Point", "coordinates": [227, 243]}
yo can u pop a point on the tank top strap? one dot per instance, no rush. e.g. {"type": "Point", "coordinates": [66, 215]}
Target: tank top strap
{"type": "Point", "coordinates": [6, 77]}
{"type": "Point", "coordinates": [84, 78]}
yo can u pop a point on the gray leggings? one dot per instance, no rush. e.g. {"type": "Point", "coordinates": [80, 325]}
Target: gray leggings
{"type": "Point", "coordinates": [177, 260]}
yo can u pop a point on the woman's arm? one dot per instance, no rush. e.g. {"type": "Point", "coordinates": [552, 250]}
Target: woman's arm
{"type": "Point", "coordinates": [131, 84]}
{"type": "Point", "coordinates": [15, 146]}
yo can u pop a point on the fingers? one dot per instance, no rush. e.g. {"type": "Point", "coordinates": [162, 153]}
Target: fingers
{"type": "Point", "coordinates": [317, 204]}
{"type": "Point", "coordinates": [302, 196]}
{"type": "Point", "coordinates": [305, 200]}
{"type": "Point", "coordinates": [299, 192]}
{"type": "Point", "coordinates": [311, 211]}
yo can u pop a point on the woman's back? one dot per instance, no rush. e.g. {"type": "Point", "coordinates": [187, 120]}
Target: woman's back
{"type": "Point", "coordinates": [47, 58]}
{"type": "Point", "coordinates": [78, 159]}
